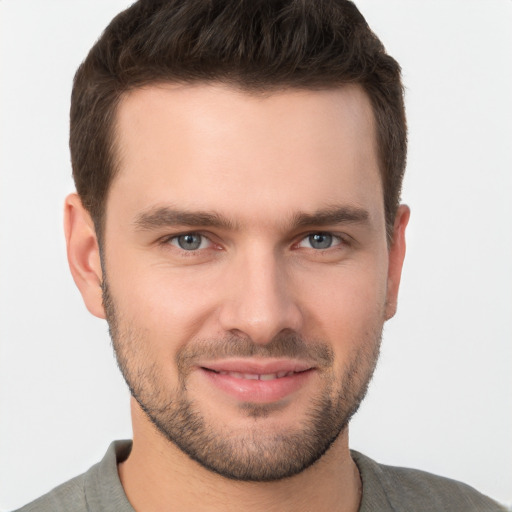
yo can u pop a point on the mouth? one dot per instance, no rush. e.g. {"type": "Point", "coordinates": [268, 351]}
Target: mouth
{"type": "Point", "coordinates": [250, 381]}
{"type": "Point", "coordinates": [255, 376]}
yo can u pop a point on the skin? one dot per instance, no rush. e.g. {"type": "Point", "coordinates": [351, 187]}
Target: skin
{"type": "Point", "coordinates": [259, 162]}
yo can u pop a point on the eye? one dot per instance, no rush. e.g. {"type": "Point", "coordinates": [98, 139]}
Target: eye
{"type": "Point", "coordinates": [320, 241]}
{"type": "Point", "coordinates": [190, 241]}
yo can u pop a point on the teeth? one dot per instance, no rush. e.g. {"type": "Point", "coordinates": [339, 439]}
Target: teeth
{"type": "Point", "coordinates": [253, 376]}
{"type": "Point", "coordinates": [256, 376]}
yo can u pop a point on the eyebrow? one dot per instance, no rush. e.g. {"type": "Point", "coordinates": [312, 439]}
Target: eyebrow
{"type": "Point", "coordinates": [165, 216]}
{"type": "Point", "coordinates": [332, 215]}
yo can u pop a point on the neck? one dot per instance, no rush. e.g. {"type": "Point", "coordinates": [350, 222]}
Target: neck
{"type": "Point", "coordinates": [157, 474]}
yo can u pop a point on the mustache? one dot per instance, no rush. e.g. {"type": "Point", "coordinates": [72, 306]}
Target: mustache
{"type": "Point", "coordinates": [284, 345]}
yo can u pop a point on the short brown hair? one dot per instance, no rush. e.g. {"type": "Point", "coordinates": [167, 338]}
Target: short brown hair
{"type": "Point", "coordinates": [256, 45]}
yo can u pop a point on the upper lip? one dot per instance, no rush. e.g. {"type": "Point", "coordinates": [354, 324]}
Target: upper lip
{"type": "Point", "coordinates": [257, 366]}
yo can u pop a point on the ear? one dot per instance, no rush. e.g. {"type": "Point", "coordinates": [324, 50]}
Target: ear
{"type": "Point", "coordinates": [83, 254]}
{"type": "Point", "coordinates": [396, 259]}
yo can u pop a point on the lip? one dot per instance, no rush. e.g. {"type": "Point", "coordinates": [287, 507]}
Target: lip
{"type": "Point", "coordinates": [257, 381]}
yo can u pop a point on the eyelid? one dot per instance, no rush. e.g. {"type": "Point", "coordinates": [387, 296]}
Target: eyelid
{"type": "Point", "coordinates": [339, 238]}
{"type": "Point", "coordinates": [168, 239]}
{"type": "Point", "coordinates": [204, 243]}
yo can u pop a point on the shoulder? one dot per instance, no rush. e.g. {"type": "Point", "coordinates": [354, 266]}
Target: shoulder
{"type": "Point", "coordinates": [67, 496]}
{"type": "Point", "coordinates": [410, 489]}
{"type": "Point", "coordinates": [97, 489]}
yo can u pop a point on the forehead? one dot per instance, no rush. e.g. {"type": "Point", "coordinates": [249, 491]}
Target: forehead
{"type": "Point", "coordinates": [214, 147]}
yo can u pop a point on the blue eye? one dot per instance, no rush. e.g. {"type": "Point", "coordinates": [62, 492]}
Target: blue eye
{"type": "Point", "coordinates": [320, 241]}
{"type": "Point", "coordinates": [190, 241]}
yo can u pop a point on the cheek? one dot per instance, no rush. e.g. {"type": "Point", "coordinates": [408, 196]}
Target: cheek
{"type": "Point", "coordinates": [171, 305]}
{"type": "Point", "coordinates": [349, 316]}
{"type": "Point", "coordinates": [345, 303]}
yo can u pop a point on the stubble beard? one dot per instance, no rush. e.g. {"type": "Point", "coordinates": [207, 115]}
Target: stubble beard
{"type": "Point", "coordinates": [256, 454]}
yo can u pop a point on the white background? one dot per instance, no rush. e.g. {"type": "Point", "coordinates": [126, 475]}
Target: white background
{"type": "Point", "coordinates": [441, 399]}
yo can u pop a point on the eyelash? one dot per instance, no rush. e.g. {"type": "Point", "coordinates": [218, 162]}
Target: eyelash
{"type": "Point", "coordinates": [166, 241]}
{"type": "Point", "coordinates": [337, 239]}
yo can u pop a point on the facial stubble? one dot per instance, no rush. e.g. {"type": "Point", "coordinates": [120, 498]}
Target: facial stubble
{"type": "Point", "coordinates": [256, 454]}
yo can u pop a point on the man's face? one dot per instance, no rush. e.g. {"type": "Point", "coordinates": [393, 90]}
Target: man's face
{"type": "Point", "coordinates": [246, 269]}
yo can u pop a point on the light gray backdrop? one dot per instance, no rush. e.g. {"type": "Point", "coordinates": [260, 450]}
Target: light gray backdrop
{"type": "Point", "coordinates": [442, 396]}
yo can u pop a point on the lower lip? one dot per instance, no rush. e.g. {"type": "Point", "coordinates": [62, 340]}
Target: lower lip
{"type": "Point", "coordinates": [258, 391]}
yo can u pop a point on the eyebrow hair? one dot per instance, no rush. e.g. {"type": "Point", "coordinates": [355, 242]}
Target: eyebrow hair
{"type": "Point", "coordinates": [331, 215]}
{"type": "Point", "coordinates": [165, 216]}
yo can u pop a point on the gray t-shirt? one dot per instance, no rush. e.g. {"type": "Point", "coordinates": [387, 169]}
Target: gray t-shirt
{"type": "Point", "coordinates": [385, 489]}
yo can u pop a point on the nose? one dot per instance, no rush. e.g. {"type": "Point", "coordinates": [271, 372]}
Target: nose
{"type": "Point", "coordinates": [260, 301]}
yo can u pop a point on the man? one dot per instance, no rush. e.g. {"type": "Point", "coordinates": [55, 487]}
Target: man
{"type": "Point", "coordinates": [238, 169]}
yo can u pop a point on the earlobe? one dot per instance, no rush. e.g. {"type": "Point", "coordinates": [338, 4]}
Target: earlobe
{"type": "Point", "coordinates": [83, 254]}
{"type": "Point", "coordinates": [396, 259]}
